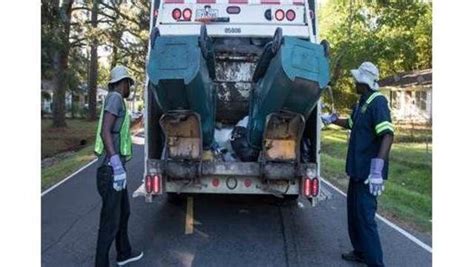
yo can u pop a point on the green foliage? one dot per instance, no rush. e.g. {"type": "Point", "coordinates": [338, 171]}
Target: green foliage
{"type": "Point", "coordinates": [121, 35]}
{"type": "Point", "coordinates": [50, 41]}
{"type": "Point", "coordinates": [394, 35]}
{"type": "Point", "coordinates": [407, 196]}
{"type": "Point", "coordinates": [140, 106]}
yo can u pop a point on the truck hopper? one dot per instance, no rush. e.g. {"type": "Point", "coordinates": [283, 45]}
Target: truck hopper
{"type": "Point", "coordinates": [290, 77]}
{"type": "Point", "coordinates": [180, 72]}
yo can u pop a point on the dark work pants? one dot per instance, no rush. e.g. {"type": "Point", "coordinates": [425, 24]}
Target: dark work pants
{"type": "Point", "coordinates": [113, 219]}
{"type": "Point", "coordinates": [361, 209]}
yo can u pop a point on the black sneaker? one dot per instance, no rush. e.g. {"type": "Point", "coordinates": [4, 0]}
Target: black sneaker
{"type": "Point", "coordinates": [134, 256]}
{"type": "Point", "coordinates": [352, 256]}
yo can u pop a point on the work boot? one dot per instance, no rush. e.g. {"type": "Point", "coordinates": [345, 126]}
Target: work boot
{"type": "Point", "coordinates": [134, 256]}
{"type": "Point", "coordinates": [353, 256]}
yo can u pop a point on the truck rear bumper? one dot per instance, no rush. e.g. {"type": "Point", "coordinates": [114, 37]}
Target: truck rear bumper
{"type": "Point", "coordinates": [232, 185]}
{"type": "Point", "coordinates": [230, 177]}
{"type": "Point", "coordinates": [191, 170]}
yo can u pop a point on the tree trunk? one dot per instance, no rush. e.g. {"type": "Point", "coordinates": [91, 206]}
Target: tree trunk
{"type": "Point", "coordinates": [93, 68]}
{"type": "Point", "coordinates": [59, 101]}
{"type": "Point", "coordinates": [61, 64]}
{"type": "Point", "coordinates": [116, 38]}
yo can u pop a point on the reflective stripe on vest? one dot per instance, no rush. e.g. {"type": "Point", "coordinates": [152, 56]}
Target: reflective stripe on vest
{"type": "Point", "coordinates": [385, 125]}
{"type": "Point", "coordinates": [125, 136]}
{"type": "Point", "coordinates": [366, 104]}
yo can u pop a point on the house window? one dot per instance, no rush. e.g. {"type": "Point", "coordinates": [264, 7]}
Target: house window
{"type": "Point", "coordinates": [421, 98]}
{"type": "Point", "coordinates": [396, 99]}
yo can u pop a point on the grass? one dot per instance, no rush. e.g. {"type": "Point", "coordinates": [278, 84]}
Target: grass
{"type": "Point", "coordinates": [64, 150]}
{"type": "Point", "coordinates": [407, 196]}
{"type": "Point", "coordinates": [77, 135]}
{"type": "Point", "coordinates": [64, 165]}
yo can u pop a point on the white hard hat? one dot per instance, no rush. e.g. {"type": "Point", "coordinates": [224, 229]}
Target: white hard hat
{"type": "Point", "coordinates": [367, 73]}
{"type": "Point", "coordinates": [119, 73]}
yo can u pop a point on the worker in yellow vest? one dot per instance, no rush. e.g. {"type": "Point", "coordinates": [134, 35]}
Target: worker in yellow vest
{"type": "Point", "coordinates": [114, 138]}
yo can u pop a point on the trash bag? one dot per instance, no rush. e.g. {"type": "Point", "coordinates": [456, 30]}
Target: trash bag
{"type": "Point", "coordinates": [222, 137]}
{"type": "Point", "coordinates": [222, 147]}
{"type": "Point", "coordinates": [239, 142]}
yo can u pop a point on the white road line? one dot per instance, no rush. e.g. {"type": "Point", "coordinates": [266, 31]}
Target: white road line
{"type": "Point", "coordinates": [389, 223]}
{"type": "Point", "coordinates": [189, 224]}
{"type": "Point", "coordinates": [69, 177]}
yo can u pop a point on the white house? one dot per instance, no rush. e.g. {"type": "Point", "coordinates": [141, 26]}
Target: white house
{"type": "Point", "coordinates": [80, 96]}
{"type": "Point", "coordinates": [46, 96]}
{"type": "Point", "coordinates": [410, 95]}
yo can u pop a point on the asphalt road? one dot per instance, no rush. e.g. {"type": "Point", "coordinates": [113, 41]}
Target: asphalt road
{"type": "Point", "coordinates": [227, 230]}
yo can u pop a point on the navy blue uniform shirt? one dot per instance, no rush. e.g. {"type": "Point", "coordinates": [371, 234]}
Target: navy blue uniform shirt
{"type": "Point", "coordinates": [369, 121]}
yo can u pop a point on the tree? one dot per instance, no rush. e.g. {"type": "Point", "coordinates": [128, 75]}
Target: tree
{"type": "Point", "coordinates": [55, 52]}
{"type": "Point", "coordinates": [93, 70]}
{"type": "Point", "coordinates": [60, 59]}
{"type": "Point", "coordinates": [394, 35]}
{"type": "Point", "coordinates": [73, 32]}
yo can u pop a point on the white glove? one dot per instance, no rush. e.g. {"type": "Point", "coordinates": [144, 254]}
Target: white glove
{"type": "Point", "coordinates": [120, 176]}
{"type": "Point", "coordinates": [375, 179]}
{"type": "Point", "coordinates": [120, 181]}
{"type": "Point", "coordinates": [376, 186]}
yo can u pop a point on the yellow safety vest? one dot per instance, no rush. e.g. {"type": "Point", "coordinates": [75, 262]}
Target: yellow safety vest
{"type": "Point", "coordinates": [125, 135]}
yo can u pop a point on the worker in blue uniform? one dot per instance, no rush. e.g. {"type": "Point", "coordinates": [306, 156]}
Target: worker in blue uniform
{"type": "Point", "coordinates": [367, 163]}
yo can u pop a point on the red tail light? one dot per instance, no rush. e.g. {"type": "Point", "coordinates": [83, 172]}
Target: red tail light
{"type": "Point", "coordinates": [279, 14]}
{"type": "Point", "coordinates": [148, 184]}
{"type": "Point", "coordinates": [176, 13]}
{"type": "Point", "coordinates": [315, 187]}
{"type": "Point", "coordinates": [187, 13]}
{"type": "Point", "coordinates": [247, 182]}
{"type": "Point", "coordinates": [156, 184]}
{"type": "Point", "coordinates": [307, 187]}
{"type": "Point", "coordinates": [290, 15]}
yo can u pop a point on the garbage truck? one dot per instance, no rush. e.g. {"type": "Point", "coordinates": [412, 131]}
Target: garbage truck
{"type": "Point", "coordinates": [232, 102]}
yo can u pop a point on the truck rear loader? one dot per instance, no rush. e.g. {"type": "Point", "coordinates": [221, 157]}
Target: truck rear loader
{"type": "Point", "coordinates": [254, 67]}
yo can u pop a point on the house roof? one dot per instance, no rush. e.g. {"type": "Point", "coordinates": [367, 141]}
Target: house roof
{"type": "Point", "coordinates": [408, 79]}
